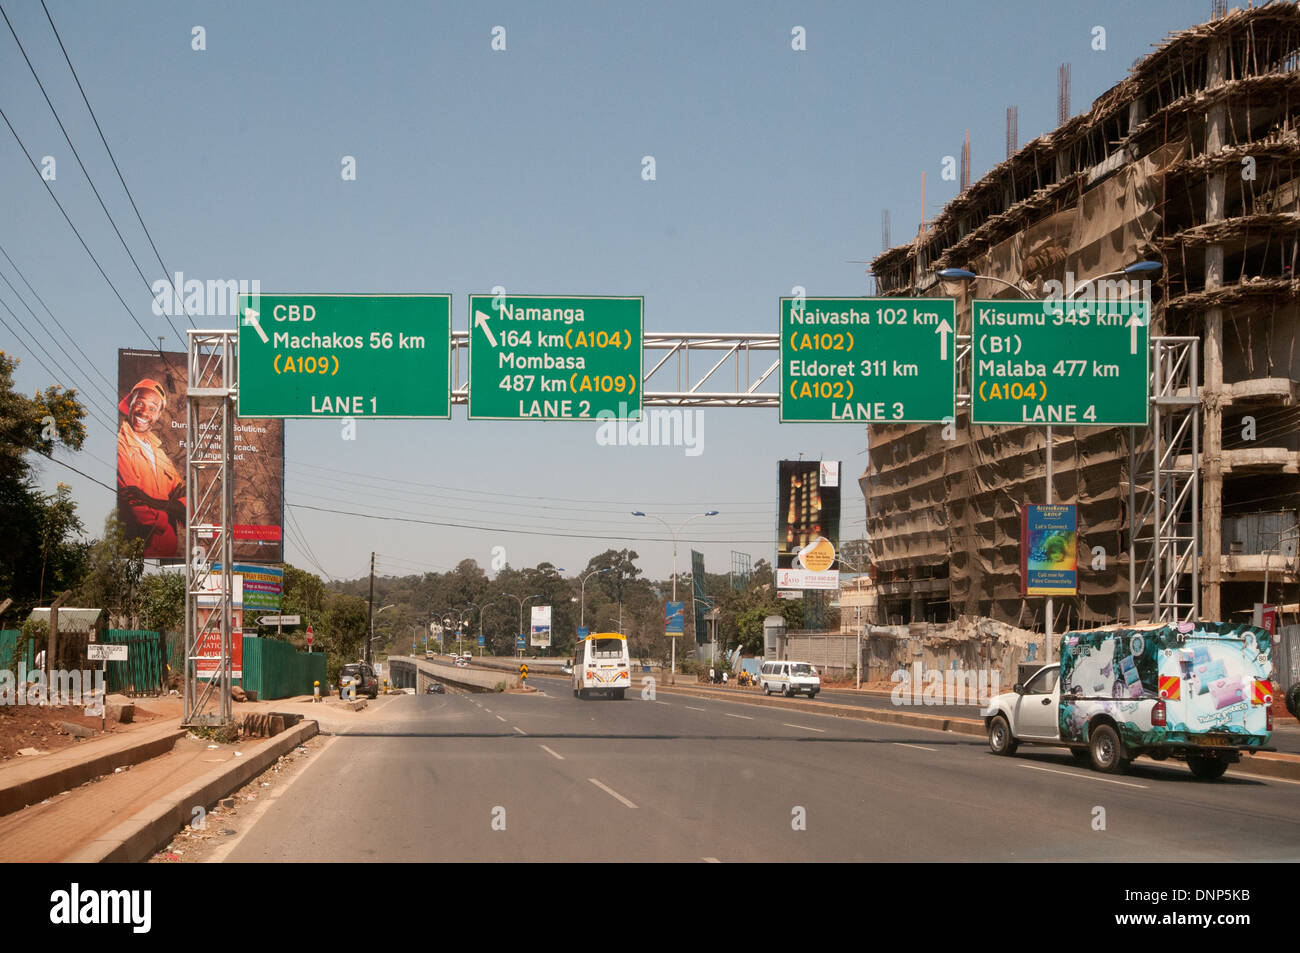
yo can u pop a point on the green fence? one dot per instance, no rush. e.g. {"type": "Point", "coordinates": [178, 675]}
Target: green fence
{"type": "Point", "coordinates": [145, 670]}
{"type": "Point", "coordinates": [275, 669]}
{"type": "Point", "coordinates": [8, 639]}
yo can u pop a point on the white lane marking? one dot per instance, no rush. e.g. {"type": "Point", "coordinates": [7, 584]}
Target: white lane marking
{"type": "Point", "coordinates": [1086, 777]}
{"type": "Point", "coordinates": [746, 717]}
{"type": "Point", "coordinates": [803, 727]}
{"type": "Point", "coordinates": [611, 792]}
{"type": "Point", "coordinates": [693, 708]}
{"type": "Point", "coordinates": [558, 757]}
{"type": "Point", "coordinates": [486, 709]}
{"type": "Point", "coordinates": [711, 860]}
{"type": "Point", "coordinates": [899, 744]}
{"type": "Point", "coordinates": [499, 718]}
{"type": "Point", "coordinates": [669, 704]}
{"type": "Point", "coordinates": [520, 730]}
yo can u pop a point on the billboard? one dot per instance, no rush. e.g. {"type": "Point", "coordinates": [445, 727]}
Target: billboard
{"type": "Point", "coordinates": [263, 585]}
{"type": "Point", "coordinates": [674, 618]}
{"type": "Point", "coordinates": [1048, 550]}
{"type": "Point", "coordinates": [808, 524]}
{"type": "Point", "coordinates": [151, 445]}
{"type": "Point", "coordinates": [701, 604]}
{"type": "Point", "coordinates": [541, 627]}
{"type": "Point", "coordinates": [208, 650]}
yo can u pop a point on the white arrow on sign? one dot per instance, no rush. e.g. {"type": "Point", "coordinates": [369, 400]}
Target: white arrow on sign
{"type": "Point", "coordinates": [250, 318]}
{"type": "Point", "coordinates": [943, 330]}
{"type": "Point", "coordinates": [481, 320]}
{"type": "Point", "coordinates": [279, 620]}
{"type": "Point", "coordinates": [1133, 323]}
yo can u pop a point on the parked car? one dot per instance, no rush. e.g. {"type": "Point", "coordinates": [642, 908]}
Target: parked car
{"type": "Point", "coordinates": [363, 675]}
{"type": "Point", "coordinates": [1196, 692]}
{"type": "Point", "coordinates": [436, 688]}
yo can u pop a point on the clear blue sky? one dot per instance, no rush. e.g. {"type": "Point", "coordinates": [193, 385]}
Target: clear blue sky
{"type": "Point", "coordinates": [520, 168]}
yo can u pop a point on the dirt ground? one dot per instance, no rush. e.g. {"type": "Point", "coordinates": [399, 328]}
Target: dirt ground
{"type": "Point", "coordinates": [25, 726]}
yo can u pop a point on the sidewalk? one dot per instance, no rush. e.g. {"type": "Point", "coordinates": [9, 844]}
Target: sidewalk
{"type": "Point", "coordinates": [95, 799]}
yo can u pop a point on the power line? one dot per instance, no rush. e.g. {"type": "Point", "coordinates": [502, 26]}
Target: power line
{"type": "Point", "coordinates": [86, 172]}
{"type": "Point", "coordinates": [513, 530]}
{"type": "Point", "coordinates": [63, 371]}
{"type": "Point", "coordinates": [23, 278]}
{"type": "Point", "coordinates": [166, 272]}
{"type": "Point", "coordinates": [76, 471]}
{"type": "Point", "coordinates": [68, 219]}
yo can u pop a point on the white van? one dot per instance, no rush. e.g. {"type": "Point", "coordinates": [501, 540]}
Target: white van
{"type": "Point", "coordinates": [789, 678]}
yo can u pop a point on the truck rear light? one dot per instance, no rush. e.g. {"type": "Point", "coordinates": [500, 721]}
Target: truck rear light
{"type": "Point", "coordinates": [1268, 722]}
{"type": "Point", "coordinates": [1158, 714]}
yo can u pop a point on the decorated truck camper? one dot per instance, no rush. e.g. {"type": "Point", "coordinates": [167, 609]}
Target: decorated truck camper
{"type": "Point", "coordinates": [1198, 692]}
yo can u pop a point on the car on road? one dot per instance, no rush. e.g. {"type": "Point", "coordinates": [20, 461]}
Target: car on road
{"type": "Point", "coordinates": [567, 668]}
{"type": "Point", "coordinates": [1196, 692]}
{"type": "Point", "coordinates": [789, 678]}
{"type": "Point", "coordinates": [462, 663]}
{"type": "Point", "coordinates": [363, 675]}
{"type": "Point", "coordinates": [436, 688]}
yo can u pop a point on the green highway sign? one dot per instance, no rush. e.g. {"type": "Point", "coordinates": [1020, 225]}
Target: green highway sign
{"type": "Point", "coordinates": [879, 360]}
{"type": "Point", "coordinates": [535, 357]}
{"type": "Point", "coordinates": [344, 355]}
{"type": "Point", "coordinates": [1060, 364]}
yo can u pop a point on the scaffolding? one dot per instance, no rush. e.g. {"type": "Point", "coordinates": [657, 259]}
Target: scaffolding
{"type": "Point", "coordinates": [211, 381]}
{"type": "Point", "coordinates": [1164, 490]}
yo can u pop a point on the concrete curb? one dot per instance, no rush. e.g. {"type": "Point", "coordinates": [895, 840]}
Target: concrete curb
{"type": "Point", "coordinates": [137, 838]}
{"type": "Point", "coordinates": [16, 796]}
{"type": "Point", "coordinates": [1265, 764]}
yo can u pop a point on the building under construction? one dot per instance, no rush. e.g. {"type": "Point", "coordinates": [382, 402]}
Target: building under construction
{"type": "Point", "coordinates": [1191, 161]}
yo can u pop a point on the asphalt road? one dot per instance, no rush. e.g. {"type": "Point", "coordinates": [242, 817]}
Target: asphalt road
{"type": "Point", "coordinates": [501, 777]}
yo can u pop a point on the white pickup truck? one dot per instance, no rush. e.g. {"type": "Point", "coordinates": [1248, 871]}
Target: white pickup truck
{"type": "Point", "coordinates": [1199, 692]}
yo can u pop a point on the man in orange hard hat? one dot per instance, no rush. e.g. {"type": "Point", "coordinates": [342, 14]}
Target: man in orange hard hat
{"type": "Point", "coordinates": [150, 490]}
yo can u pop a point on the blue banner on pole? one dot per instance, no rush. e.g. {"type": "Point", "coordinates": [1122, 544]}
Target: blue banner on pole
{"type": "Point", "coordinates": [675, 618]}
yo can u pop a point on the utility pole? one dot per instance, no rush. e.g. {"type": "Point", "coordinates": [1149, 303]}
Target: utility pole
{"type": "Point", "coordinates": [370, 617]}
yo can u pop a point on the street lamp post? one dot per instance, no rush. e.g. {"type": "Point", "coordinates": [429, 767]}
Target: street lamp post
{"type": "Point", "coordinates": [582, 611]}
{"type": "Point", "coordinates": [521, 615]}
{"type": "Point", "coordinates": [672, 678]}
{"type": "Point", "coordinates": [372, 627]}
{"type": "Point", "coordinates": [963, 274]}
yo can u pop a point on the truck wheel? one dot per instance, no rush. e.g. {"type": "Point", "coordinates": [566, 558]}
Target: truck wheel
{"type": "Point", "coordinates": [1207, 768]}
{"type": "Point", "coordinates": [1000, 738]}
{"type": "Point", "coordinates": [1081, 755]}
{"type": "Point", "coordinates": [1106, 750]}
{"type": "Point", "coordinates": [1293, 700]}
{"type": "Point", "coordinates": [619, 693]}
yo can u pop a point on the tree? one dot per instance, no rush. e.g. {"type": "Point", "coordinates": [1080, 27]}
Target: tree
{"type": "Point", "coordinates": [36, 555]}
{"type": "Point", "coordinates": [115, 567]}
{"type": "Point", "coordinates": [162, 601]}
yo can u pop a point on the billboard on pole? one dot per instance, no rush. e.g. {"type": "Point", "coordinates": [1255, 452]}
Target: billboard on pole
{"type": "Point", "coordinates": [151, 445]}
{"type": "Point", "coordinates": [1049, 550]}
{"type": "Point", "coordinates": [701, 604]}
{"type": "Point", "coordinates": [541, 627]}
{"type": "Point", "coordinates": [808, 524]}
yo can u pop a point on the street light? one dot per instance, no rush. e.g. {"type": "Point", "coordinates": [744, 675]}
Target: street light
{"type": "Point", "coordinates": [673, 642]}
{"type": "Point", "coordinates": [963, 274]}
{"type": "Point", "coordinates": [582, 613]}
{"type": "Point", "coordinates": [372, 628]}
{"type": "Point", "coordinates": [521, 614]}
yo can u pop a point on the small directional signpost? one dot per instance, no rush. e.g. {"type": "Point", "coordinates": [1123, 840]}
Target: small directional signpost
{"type": "Point", "coordinates": [318, 355]}
{"type": "Point", "coordinates": [1054, 364]}
{"type": "Point", "coordinates": [874, 360]}
{"type": "Point", "coordinates": [279, 620]}
{"type": "Point", "coordinates": [554, 358]}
